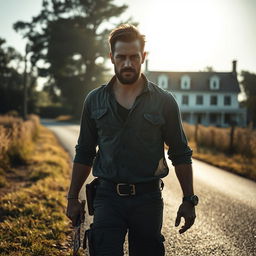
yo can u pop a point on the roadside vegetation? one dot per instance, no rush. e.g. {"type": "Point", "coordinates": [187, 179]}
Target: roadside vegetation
{"type": "Point", "coordinates": [218, 146]}
{"type": "Point", "coordinates": [34, 174]}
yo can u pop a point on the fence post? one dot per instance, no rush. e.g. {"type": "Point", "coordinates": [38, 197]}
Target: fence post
{"type": "Point", "coordinates": [231, 141]}
{"type": "Point", "coordinates": [196, 137]}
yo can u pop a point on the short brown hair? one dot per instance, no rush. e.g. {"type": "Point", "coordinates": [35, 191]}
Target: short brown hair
{"type": "Point", "coordinates": [126, 33]}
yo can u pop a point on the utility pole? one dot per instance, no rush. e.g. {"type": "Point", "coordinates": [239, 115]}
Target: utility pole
{"type": "Point", "coordinates": [25, 81]}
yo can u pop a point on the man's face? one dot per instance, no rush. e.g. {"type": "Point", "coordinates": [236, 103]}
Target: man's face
{"type": "Point", "coordinates": [127, 59]}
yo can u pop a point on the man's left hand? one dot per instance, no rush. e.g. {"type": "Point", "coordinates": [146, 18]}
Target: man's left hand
{"type": "Point", "coordinates": [187, 211]}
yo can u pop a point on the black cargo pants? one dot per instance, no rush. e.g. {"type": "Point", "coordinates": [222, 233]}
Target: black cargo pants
{"type": "Point", "coordinates": [139, 215]}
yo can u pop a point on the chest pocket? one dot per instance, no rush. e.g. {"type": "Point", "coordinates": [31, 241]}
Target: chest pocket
{"type": "Point", "coordinates": [104, 122]}
{"type": "Point", "coordinates": [99, 113]}
{"type": "Point", "coordinates": [154, 119]}
{"type": "Point", "coordinates": [151, 127]}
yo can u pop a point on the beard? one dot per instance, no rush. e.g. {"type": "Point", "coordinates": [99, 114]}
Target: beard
{"type": "Point", "coordinates": [127, 79]}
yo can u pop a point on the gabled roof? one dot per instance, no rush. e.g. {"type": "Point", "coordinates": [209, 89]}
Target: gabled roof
{"type": "Point", "coordinates": [200, 81]}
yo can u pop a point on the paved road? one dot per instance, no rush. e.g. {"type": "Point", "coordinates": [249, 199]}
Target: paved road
{"type": "Point", "coordinates": [226, 215]}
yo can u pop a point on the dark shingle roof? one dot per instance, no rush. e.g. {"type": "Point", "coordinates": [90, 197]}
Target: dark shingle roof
{"type": "Point", "coordinates": [199, 81]}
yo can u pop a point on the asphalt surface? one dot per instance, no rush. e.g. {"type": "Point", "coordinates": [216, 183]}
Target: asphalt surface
{"type": "Point", "coordinates": [226, 214]}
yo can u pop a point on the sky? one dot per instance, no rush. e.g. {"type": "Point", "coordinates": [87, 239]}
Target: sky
{"type": "Point", "coordinates": [182, 35]}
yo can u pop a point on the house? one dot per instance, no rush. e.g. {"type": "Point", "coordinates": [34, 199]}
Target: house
{"type": "Point", "coordinates": [208, 98]}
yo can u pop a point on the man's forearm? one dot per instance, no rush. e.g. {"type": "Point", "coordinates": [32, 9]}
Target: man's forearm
{"type": "Point", "coordinates": [80, 173]}
{"type": "Point", "coordinates": [184, 174]}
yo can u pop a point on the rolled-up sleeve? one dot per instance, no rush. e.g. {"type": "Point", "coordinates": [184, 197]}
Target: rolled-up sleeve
{"type": "Point", "coordinates": [87, 140]}
{"type": "Point", "coordinates": [179, 152]}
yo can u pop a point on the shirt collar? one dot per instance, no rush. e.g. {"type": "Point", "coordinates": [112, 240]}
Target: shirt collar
{"type": "Point", "coordinates": [147, 86]}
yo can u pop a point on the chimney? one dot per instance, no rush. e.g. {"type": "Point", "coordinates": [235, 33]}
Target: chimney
{"type": "Point", "coordinates": [146, 65]}
{"type": "Point", "coordinates": [234, 66]}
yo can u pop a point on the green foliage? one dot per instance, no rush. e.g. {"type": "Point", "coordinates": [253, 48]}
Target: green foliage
{"type": "Point", "coordinates": [71, 37]}
{"type": "Point", "coordinates": [12, 82]}
{"type": "Point", "coordinates": [53, 111]}
{"type": "Point", "coordinates": [249, 86]}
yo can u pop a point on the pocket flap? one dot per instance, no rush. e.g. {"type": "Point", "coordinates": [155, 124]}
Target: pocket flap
{"type": "Point", "coordinates": [155, 119]}
{"type": "Point", "coordinates": [98, 113]}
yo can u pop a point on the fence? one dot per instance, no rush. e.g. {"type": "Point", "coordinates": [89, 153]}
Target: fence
{"type": "Point", "coordinates": [227, 140]}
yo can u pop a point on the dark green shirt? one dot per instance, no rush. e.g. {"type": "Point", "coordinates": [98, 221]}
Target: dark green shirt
{"type": "Point", "coordinates": [131, 149]}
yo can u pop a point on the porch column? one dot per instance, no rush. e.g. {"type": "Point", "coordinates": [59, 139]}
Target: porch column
{"type": "Point", "coordinates": [206, 120]}
{"type": "Point", "coordinates": [191, 118]}
{"type": "Point", "coordinates": [222, 121]}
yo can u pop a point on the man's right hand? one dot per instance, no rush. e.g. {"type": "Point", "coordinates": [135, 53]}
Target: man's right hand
{"type": "Point", "coordinates": [75, 211]}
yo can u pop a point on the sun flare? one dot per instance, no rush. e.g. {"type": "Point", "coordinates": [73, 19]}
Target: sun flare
{"type": "Point", "coordinates": [181, 31]}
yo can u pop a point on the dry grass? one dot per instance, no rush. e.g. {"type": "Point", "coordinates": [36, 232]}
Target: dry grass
{"type": "Point", "coordinates": [32, 217]}
{"type": "Point", "coordinates": [213, 146]}
{"type": "Point", "coordinates": [17, 139]}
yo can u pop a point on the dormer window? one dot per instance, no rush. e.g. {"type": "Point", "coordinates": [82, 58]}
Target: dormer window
{"type": "Point", "coordinates": [162, 81]}
{"type": "Point", "coordinates": [185, 82]}
{"type": "Point", "coordinates": [214, 83]}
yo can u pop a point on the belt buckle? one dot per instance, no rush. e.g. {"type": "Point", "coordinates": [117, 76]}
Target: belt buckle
{"type": "Point", "coordinates": [131, 192]}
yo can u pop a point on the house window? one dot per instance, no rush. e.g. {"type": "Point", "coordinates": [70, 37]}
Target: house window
{"type": "Point", "coordinates": [199, 100]}
{"type": "Point", "coordinates": [199, 118]}
{"type": "Point", "coordinates": [213, 100]}
{"type": "Point", "coordinates": [227, 100]}
{"type": "Point", "coordinates": [213, 118]}
{"type": "Point", "coordinates": [185, 100]}
{"type": "Point", "coordinates": [214, 83]}
{"type": "Point", "coordinates": [185, 82]}
{"type": "Point", "coordinates": [163, 81]}
{"type": "Point", "coordinates": [227, 118]}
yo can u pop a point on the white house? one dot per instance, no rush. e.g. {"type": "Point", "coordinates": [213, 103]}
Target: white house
{"type": "Point", "coordinates": [209, 98]}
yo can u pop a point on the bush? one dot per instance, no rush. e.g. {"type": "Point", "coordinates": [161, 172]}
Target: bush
{"type": "Point", "coordinates": [17, 139]}
{"type": "Point", "coordinates": [54, 111]}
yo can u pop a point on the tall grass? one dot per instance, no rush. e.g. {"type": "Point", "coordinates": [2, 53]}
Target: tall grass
{"type": "Point", "coordinates": [16, 139]}
{"type": "Point", "coordinates": [32, 217]}
{"type": "Point", "coordinates": [218, 139]}
{"type": "Point", "coordinates": [213, 145]}
{"type": "Point", "coordinates": [245, 142]}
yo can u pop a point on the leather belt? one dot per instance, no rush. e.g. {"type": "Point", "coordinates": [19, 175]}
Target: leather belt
{"type": "Point", "coordinates": [127, 189]}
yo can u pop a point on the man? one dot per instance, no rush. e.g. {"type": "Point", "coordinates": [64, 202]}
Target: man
{"type": "Point", "coordinates": [130, 119]}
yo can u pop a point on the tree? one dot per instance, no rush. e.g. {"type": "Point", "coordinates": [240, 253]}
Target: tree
{"type": "Point", "coordinates": [209, 69]}
{"type": "Point", "coordinates": [249, 86]}
{"type": "Point", "coordinates": [69, 36]}
{"type": "Point", "coordinates": [12, 81]}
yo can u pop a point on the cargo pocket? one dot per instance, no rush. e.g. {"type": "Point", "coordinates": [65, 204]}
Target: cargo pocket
{"type": "Point", "coordinates": [104, 241]}
{"type": "Point", "coordinates": [161, 249]}
{"type": "Point", "coordinates": [88, 241]}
